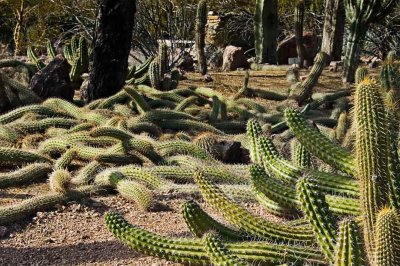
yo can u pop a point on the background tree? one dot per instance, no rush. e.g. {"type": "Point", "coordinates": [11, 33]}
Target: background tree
{"type": "Point", "coordinates": [334, 25]}
{"type": "Point", "coordinates": [112, 44]}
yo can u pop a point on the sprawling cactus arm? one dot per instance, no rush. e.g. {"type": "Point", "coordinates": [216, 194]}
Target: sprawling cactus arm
{"type": "Point", "coordinates": [192, 251]}
{"type": "Point", "coordinates": [139, 100]}
{"type": "Point", "coordinates": [135, 192]}
{"type": "Point", "coordinates": [86, 173]}
{"type": "Point", "coordinates": [142, 147]}
{"type": "Point", "coordinates": [26, 174]}
{"type": "Point", "coordinates": [301, 157]}
{"type": "Point", "coordinates": [200, 223]}
{"type": "Point", "coordinates": [179, 124]}
{"type": "Point", "coordinates": [119, 97]}
{"type": "Point", "coordinates": [372, 155]}
{"type": "Point", "coordinates": [131, 172]}
{"type": "Point", "coordinates": [169, 148]}
{"type": "Point", "coordinates": [254, 132]}
{"type": "Point", "coordinates": [42, 125]}
{"type": "Point", "coordinates": [65, 160]}
{"type": "Point", "coordinates": [250, 104]}
{"type": "Point", "coordinates": [218, 252]}
{"type": "Point", "coordinates": [186, 103]}
{"type": "Point", "coordinates": [317, 211]}
{"type": "Point", "coordinates": [349, 250]}
{"type": "Point", "coordinates": [318, 144]}
{"type": "Point", "coordinates": [12, 156]}
{"type": "Point", "coordinates": [59, 181]}
{"type": "Point", "coordinates": [17, 212]}
{"type": "Point", "coordinates": [246, 221]}
{"type": "Point", "coordinates": [304, 90]}
{"type": "Point", "coordinates": [285, 194]}
{"type": "Point", "coordinates": [150, 128]}
{"type": "Point", "coordinates": [113, 132]}
{"type": "Point", "coordinates": [184, 174]}
{"type": "Point", "coordinates": [17, 113]}
{"type": "Point", "coordinates": [387, 233]}
{"type": "Point", "coordinates": [284, 170]}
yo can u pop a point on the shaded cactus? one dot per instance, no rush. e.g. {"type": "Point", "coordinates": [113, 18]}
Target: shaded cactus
{"type": "Point", "coordinates": [201, 22]}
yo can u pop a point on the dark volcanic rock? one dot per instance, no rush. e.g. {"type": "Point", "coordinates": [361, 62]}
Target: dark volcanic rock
{"type": "Point", "coordinates": [54, 80]}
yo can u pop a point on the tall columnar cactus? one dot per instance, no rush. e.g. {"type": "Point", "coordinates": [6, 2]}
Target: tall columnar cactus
{"type": "Point", "coordinates": [51, 53]}
{"type": "Point", "coordinates": [372, 156]}
{"type": "Point", "coordinates": [387, 241]}
{"type": "Point", "coordinates": [201, 23]}
{"type": "Point", "coordinates": [361, 74]}
{"type": "Point", "coordinates": [266, 30]}
{"type": "Point", "coordinates": [361, 14]}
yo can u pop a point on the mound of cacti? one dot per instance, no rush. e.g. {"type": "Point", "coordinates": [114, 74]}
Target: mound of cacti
{"type": "Point", "coordinates": [331, 205]}
{"type": "Point", "coordinates": [347, 216]}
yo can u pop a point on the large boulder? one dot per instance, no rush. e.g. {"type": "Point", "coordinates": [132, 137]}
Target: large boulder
{"type": "Point", "coordinates": [287, 49]}
{"type": "Point", "coordinates": [54, 80]}
{"type": "Point", "coordinates": [234, 58]}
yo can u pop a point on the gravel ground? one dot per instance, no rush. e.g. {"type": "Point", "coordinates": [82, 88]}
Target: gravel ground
{"type": "Point", "coordinates": [76, 234]}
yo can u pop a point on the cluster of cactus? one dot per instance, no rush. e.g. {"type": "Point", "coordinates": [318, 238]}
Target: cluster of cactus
{"type": "Point", "coordinates": [77, 53]}
{"type": "Point", "coordinates": [161, 78]}
{"type": "Point", "coordinates": [350, 214]}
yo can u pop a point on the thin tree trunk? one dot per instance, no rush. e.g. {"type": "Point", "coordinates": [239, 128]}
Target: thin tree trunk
{"type": "Point", "coordinates": [332, 41]}
{"type": "Point", "coordinates": [112, 44]}
{"type": "Point", "coordinates": [299, 28]}
{"type": "Point", "coordinates": [20, 15]}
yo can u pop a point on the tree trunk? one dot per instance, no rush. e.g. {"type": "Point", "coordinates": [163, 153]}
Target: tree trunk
{"type": "Point", "coordinates": [266, 31]}
{"type": "Point", "coordinates": [112, 44]}
{"type": "Point", "coordinates": [353, 51]}
{"type": "Point", "coordinates": [20, 16]}
{"type": "Point", "coordinates": [299, 28]}
{"type": "Point", "coordinates": [335, 18]}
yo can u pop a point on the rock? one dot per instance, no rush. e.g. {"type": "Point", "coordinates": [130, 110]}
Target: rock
{"type": "Point", "coordinates": [186, 62]}
{"type": "Point", "coordinates": [293, 75]}
{"type": "Point", "coordinates": [287, 48]}
{"type": "Point", "coordinates": [208, 78]}
{"type": "Point", "coordinates": [3, 231]}
{"type": "Point", "coordinates": [234, 58]}
{"type": "Point", "coordinates": [54, 80]}
{"type": "Point", "coordinates": [375, 62]}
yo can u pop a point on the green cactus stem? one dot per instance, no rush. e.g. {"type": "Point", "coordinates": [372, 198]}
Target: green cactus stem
{"type": "Point", "coordinates": [316, 210]}
{"type": "Point", "coordinates": [372, 156]}
{"type": "Point", "coordinates": [387, 232]}
{"type": "Point", "coordinates": [349, 250]}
